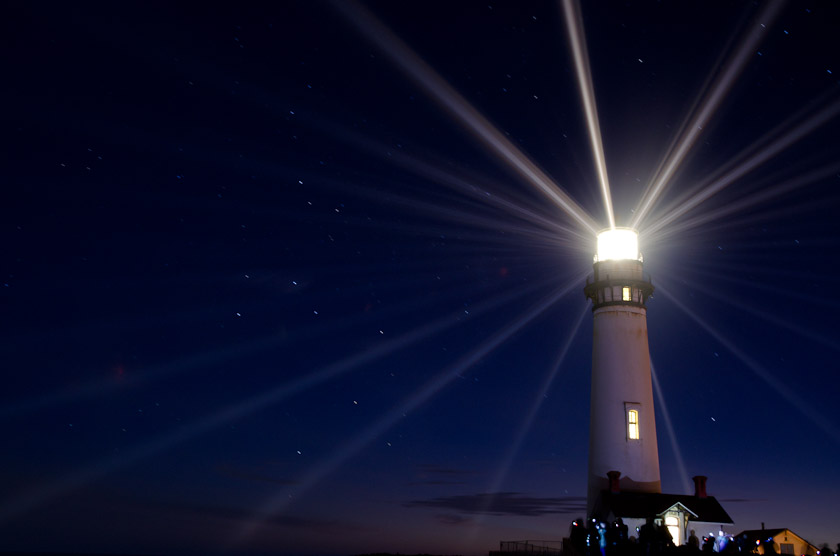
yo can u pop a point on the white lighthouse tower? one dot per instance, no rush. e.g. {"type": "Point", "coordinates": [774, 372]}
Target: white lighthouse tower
{"type": "Point", "coordinates": [622, 428]}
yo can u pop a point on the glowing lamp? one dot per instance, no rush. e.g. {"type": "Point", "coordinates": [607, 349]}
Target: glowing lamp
{"type": "Point", "coordinates": [618, 244]}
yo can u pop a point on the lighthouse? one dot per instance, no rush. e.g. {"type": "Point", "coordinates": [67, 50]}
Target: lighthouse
{"type": "Point", "coordinates": [623, 454]}
{"type": "Point", "coordinates": [623, 482]}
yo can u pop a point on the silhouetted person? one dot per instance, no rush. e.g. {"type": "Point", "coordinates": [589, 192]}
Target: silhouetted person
{"type": "Point", "coordinates": [769, 547]}
{"type": "Point", "coordinates": [647, 537]}
{"type": "Point", "coordinates": [693, 542]}
{"type": "Point", "coordinates": [743, 543]}
{"type": "Point", "coordinates": [708, 544]}
{"type": "Point", "coordinates": [593, 539]}
{"type": "Point", "coordinates": [622, 531]}
{"type": "Point", "coordinates": [664, 540]}
{"type": "Point", "coordinates": [731, 546]}
{"type": "Point", "coordinates": [577, 536]}
{"type": "Point", "coordinates": [616, 537]}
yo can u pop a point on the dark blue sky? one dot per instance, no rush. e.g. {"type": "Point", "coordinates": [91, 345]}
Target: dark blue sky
{"type": "Point", "coordinates": [262, 292]}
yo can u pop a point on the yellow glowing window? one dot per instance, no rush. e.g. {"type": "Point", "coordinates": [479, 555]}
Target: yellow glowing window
{"type": "Point", "coordinates": [633, 424]}
{"type": "Point", "coordinates": [625, 293]}
{"type": "Point", "coordinates": [673, 525]}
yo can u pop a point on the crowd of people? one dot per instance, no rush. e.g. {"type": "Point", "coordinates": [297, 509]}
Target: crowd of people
{"type": "Point", "coordinates": [597, 538]}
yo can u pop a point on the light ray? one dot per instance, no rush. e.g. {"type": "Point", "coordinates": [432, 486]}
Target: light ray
{"type": "Point", "coordinates": [790, 293]}
{"type": "Point", "coordinates": [739, 223]}
{"type": "Point", "coordinates": [755, 160]}
{"type": "Point", "coordinates": [553, 236]}
{"type": "Point", "coordinates": [784, 323]}
{"type": "Point", "coordinates": [476, 191]}
{"type": "Point", "coordinates": [476, 188]}
{"type": "Point", "coordinates": [100, 387]}
{"type": "Point", "coordinates": [44, 493]}
{"type": "Point", "coordinates": [577, 44]}
{"type": "Point", "coordinates": [750, 201]}
{"type": "Point", "coordinates": [350, 448]}
{"type": "Point", "coordinates": [719, 89]}
{"type": "Point", "coordinates": [463, 111]}
{"type": "Point", "coordinates": [672, 435]}
{"type": "Point", "coordinates": [763, 217]}
{"type": "Point", "coordinates": [550, 234]}
{"type": "Point", "coordinates": [783, 390]}
{"type": "Point", "coordinates": [534, 408]}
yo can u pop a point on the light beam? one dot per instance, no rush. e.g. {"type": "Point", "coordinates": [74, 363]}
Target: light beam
{"type": "Point", "coordinates": [784, 323]}
{"type": "Point", "coordinates": [756, 159]}
{"type": "Point", "coordinates": [475, 187]}
{"type": "Point", "coordinates": [577, 43]}
{"type": "Point", "coordinates": [719, 89]}
{"type": "Point", "coordinates": [475, 190]}
{"type": "Point", "coordinates": [102, 387]}
{"type": "Point", "coordinates": [783, 390]}
{"type": "Point", "coordinates": [350, 448]}
{"type": "Point", "coordinates": [436, 87]}
{"type": "Point", "coordinates": [42, 494]}
{"type": "Point", "coordinates": [534, 407]}
{"type": "Point", "coordinates": [672, 435]}
{"type": "Point", "coordinates": [750, 201]}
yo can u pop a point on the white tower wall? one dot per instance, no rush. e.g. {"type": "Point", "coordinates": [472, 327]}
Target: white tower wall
{"type": "Point", "coordinates": [621, 382]}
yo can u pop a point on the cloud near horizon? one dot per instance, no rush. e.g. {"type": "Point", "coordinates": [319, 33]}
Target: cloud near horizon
{"type": "Point", "coordinates": [504, 503]}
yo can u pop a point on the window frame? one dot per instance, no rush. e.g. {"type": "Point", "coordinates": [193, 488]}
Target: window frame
{"type": "Point", "coordinates": [633, 410]}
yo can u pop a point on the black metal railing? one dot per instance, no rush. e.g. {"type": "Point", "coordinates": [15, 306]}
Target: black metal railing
{"type": "Point", "coordinates": [531, 547]}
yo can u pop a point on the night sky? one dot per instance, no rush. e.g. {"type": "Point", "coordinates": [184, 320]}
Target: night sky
{"type": "Point", "coordinates": [264, 288]}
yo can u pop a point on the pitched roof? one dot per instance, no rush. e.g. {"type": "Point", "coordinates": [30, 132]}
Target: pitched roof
{"type": "Point", "coordinates": [647, 504]}
{"type": "Point", "coordinates": [763, 534]}
{"type": "Point", "coordinates": [760, 534]}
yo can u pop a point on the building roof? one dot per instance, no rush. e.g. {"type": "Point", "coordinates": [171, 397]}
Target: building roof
{"type": "Point", "coordinates": [762, 535]}
{"type": "Point", "coordinates": [648, 504]}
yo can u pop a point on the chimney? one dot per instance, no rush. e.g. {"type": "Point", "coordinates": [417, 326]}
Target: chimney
{"type": "Point", "coordinates": [613, 477]}
{"type": "Point", "coordinates": [762, 526]}
{"type": "Point", "coordinates": [699, 486]}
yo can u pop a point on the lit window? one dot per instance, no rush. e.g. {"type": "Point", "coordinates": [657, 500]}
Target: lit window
{"type": "Point", "coordinates": [625, 293]}
{"type": "Point", "coordinates": [673, 525]}
{"type": "Point", "coordinates": [633, 424]}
